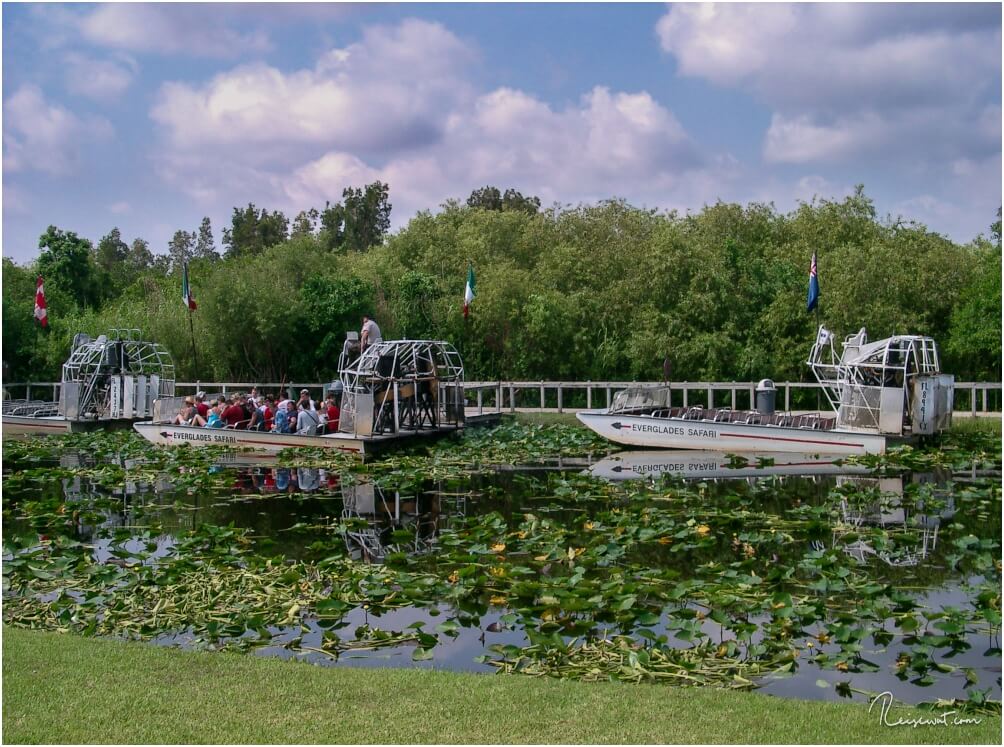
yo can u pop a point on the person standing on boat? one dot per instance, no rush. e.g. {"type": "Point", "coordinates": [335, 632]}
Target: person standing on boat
{"type": "Point", "coordinates": [369, 334]}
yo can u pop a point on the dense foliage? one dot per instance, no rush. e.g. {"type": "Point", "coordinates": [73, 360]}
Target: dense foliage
{"type": "Point", "coordinates": [600, 292]}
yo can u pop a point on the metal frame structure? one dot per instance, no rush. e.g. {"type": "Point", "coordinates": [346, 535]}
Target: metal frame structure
{"type": "Point", "coordinates": [401, 385]}
{"type": "Point", "coordinates": [114, 375]}
{"type": "Point", "coordinates": [874, 386]}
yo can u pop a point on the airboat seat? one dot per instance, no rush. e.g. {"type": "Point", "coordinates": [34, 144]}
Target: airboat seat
{"type": "Point", "coordinates": [694, 413]}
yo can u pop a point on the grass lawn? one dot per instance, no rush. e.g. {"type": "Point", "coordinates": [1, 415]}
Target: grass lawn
{"type": "Point", "coordinates": [546, 418]}
{"type": "Point", "coordinates": [64, 688]}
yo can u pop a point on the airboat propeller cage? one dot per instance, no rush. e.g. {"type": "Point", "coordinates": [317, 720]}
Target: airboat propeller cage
{"type": "Point", "coordinates": [401, 385]}
{"type": "Point", "coordinates": [118, 375]}
{"type": "Point", "coordinates": [892, 386]}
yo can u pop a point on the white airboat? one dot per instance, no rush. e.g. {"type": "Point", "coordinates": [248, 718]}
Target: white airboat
{"type": "Point", "coordinates": [395, 389]}
{"type": "Point", "coordinates": [112, 379]}
{"type": "Point", "coordinates": [882, 392]}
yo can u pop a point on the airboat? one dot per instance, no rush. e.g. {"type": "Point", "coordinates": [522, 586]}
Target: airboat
{"type": "Point", "coordinates": [114, 378]}
{"type": "Point", "coordinates": [392, 390]}
{"type": "Point", "coordinates": [883, 392]}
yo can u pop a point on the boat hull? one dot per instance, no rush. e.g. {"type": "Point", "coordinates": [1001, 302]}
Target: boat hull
{"type": "Point", "coordinates": [163, 434]}
{"type": "Point", "coordinates": [22, 425]}
{"type": "Point", "coordinates": [738, 438]}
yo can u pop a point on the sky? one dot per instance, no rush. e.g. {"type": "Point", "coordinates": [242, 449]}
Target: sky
{"type": "Point", "coordinates": [147, 117]}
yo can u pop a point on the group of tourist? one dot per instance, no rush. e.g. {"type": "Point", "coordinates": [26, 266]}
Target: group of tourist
{"type": "Point", "coordinates": [304, 416]}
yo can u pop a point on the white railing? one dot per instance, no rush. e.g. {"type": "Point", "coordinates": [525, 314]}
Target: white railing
{"type": "Point", "coordinates": [975, 398]}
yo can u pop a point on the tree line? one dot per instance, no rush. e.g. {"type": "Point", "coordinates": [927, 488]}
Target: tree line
{"type": "Point", "coordinates": [604, 291]}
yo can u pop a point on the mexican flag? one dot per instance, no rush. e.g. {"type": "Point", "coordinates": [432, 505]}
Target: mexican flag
{"type": "Point", "coordinates": [186, 290]}
{"type": "Point", "coordinates": [469, 290]}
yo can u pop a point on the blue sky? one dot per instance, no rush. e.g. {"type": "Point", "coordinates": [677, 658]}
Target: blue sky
{"type": "Point", "coordinates": [149, 117]}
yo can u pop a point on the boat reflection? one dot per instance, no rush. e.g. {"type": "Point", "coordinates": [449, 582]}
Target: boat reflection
{"type": "Point", "coordinates": [378, 523]}
{"type": "Point", "coordinates": [914, 523]}
{"type": "Point", "coordinates": [714, 465]}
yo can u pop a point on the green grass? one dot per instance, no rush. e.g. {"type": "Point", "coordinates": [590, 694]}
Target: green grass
{"type": "Point", "coordinates": [64, 688]}
{"type": "Point", "coordinates": [980, 424]}
{"type": "Point", "coordinates": [546, 418]}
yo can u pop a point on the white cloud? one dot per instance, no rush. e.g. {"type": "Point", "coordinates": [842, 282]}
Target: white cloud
{"type": "Point", "coordinates": [120, 208]}
{"type": "Point", "coordinates": [170, 28]}
{"type": "Point", "coordinates": [850, 79]}
{"type": "Point", "coordinates": [509, 138]}
{"type": "Point", "coordinates": [39, 136]}
{"type": "Point", "coordinates": [389, 91]}
{"type": "Point", "coordinates": [98, 79]}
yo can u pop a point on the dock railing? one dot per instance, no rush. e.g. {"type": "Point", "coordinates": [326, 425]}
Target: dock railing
{"type": "Point", "coordinates": [485, 397]}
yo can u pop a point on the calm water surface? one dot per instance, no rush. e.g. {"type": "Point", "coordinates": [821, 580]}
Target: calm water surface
{"type": "Point", "coordinates": [307, 514]}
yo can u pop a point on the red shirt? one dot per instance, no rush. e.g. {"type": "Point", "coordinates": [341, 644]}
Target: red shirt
{"type": "Point", "coordinates": [233, 415]}
{"type": "Point", "coordinates": [333, 414]}
{"type": "Point", "coordinates": [267, 414]}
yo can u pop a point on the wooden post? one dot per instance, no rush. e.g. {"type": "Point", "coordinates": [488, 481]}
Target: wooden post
{"type": "Point", "coordinates": [589, 397]}
{"type": "Point", "coordinates": [512, 398]}
{"type": "Point", "coordinates": [711, 397]}
{"type": "Point", "coordinates": [733, 395]}
{"type": "Point", "coordinates": [685, 394]}
{"type": "Point", "coordinates": [559, 397]}
{"type": "Point", "coordinates": [542, 395]}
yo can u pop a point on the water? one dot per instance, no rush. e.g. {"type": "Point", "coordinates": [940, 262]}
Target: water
{"type": "Point", "coordinates": [901, 530]}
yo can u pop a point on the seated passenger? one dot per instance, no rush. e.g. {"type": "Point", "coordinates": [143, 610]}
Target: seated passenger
{"type": "Point", "coordinates": [200, 405]}
{"type": "Point", "coordinates": [282, 424]}
{"type": "Point", "coordinates": [333, 413]}
{"type": "Point", "coordinates": [213, 419]}
{"type": "Point", "coordinates": [187, 413]}
{"type": "Point", "coordinates": [306, 420]}
{"type": "Point", "coordinates": [234, 415]}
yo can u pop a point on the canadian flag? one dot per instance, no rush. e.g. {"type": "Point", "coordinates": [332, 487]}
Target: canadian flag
{"type": "Point", "coordinates": [40, 312]}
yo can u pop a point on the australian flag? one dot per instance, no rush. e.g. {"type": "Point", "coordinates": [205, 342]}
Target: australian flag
{"type": "Point", "coordinates": [813, 299]}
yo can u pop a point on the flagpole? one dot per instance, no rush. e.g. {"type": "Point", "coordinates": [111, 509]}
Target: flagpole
{"type": "Point", "coordinates": [191, 329]}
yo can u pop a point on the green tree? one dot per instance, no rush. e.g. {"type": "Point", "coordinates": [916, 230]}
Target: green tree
{"type": "Point", "coordinates": [205, 246]}
{"type": "Point", "coordinates": [304, 224]}
{"type": "Point", "coordinates": [66, 263]}
{"type": "Point", "coordinates": [252, 231]}
{"type": "Point", "coordinates": [140, 258]}
{"type": "Point", "coordinates": [366, 215]}
{"type": "Point", "coordinates": [333, 227]}
{"type": "Point", "coordinates": [490, 198]}
{"type": "Point", "coordinates": [181, 249]}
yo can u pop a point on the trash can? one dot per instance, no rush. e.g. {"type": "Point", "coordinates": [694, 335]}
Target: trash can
{"type": "Point", "coordinates": [766, 393]}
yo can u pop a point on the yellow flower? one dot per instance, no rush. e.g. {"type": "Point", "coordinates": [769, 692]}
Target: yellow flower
{"type": "Point", "coordinates": [704, 530]}
{"type": "Point", "coordinates": [500, 547]}
{"type": "Point", "coordinates": [842, 666]}
{"type": "Point", "coordinates": [497, 571]}
{"type": "Point", "coordinates": [588, 526]}
{"type": "Point", "coordinates": [665, 540]}
{"type": "Point", "coordinates": [540, 558]}
{"type": "Point", "coordinates": [454, 577]}
{"type": "Point", "coordinates": [498, 600]}
{"type": "Point", "coordinates": [521, 535]}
